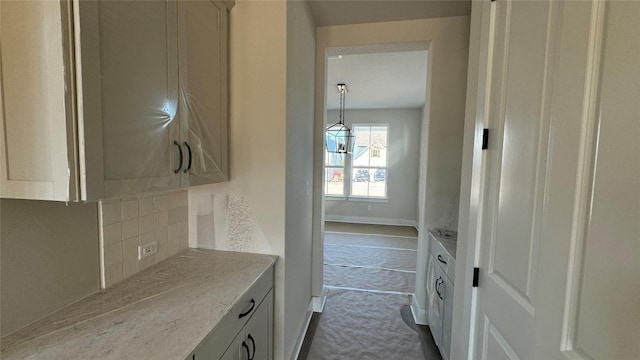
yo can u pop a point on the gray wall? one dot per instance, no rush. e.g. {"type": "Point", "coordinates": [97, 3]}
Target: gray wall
{"type": "Point", "coordinates": [402, 174]}
{"type": "Point", "coordinates": [50, 258]}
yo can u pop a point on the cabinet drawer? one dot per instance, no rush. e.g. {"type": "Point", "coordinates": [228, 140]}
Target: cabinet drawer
{"type": "Point", "coordinates": [218, 340]}
{"type": "Point", "coordinates": [442, 256]}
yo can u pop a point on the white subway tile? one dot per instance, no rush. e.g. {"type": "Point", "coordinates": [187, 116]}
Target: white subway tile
{"type": "Point", "coordinates": [172, 200]}
{"type": "Point", "coordinates": [112, 233]}
{"type": "Point", "coordinates": [147, 238]}
{"type": "Point", "coordinates": [183, 198]}
{"type": "Point", "coordinates": [145, 224]}
{"type": "Point", "coordinates": [129, 209]}
{"type": "Point", "coordinates": [174, 232]}
{"type": "Point", "coordinates": [113, 253]}
{"type": "Point", "coordinates": [130, 257]}
{"type": "Point", "coordinates": [161, 219]}
{"type": "Point", "coordinates": [145, 206]}
{"type": "Point", "coordinates": [130, 228]}
{"type": "Point", "coordinates": [160, 203]}
{"type": "Point", "coordinates": [147, 261]}
{"type": "Point", "coordinates": [113, 273]}
{"type": "Point", "coordinates": [111, 212]}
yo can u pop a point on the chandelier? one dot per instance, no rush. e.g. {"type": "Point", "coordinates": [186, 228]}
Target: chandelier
{"type": "Point", "coordinates": [339, 138]}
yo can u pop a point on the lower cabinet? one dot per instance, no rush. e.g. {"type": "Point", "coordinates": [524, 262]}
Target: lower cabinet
{"type": "Point", "coordinates": [246, 332]}
{"type": "Point", "coordinates": [254, 342]}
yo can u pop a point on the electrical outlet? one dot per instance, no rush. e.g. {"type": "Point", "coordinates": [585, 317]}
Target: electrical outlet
{"type": "Point", "coordinates": [146, 250]}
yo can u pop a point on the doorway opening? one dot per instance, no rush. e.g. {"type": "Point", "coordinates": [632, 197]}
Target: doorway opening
{"type": "Point", "coordinates": [371, 197]}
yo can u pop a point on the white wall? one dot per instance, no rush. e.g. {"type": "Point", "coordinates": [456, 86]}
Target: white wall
{"type": "Point", "coordinates": [265, 207]}
{"type": "Point", "coordinates": [448, 41]}
{"type": "Point", "coordinates": [299, 179]}
{"type": "Point", "coordinates": [50, 258]}
{"type": "Point", "coordinates": [402, 173]}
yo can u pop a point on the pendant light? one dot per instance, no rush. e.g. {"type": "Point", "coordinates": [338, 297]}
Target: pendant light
{"type": "Point", "coordinates": [339, 138]}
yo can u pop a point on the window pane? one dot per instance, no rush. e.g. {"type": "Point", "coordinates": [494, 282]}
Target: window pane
{"type": "Point", "coordinates": [369, 173]}
{"type": "Point", "coordinates": [334, 181]}
{"type": "Point", "coordinates": [333, 159]}
{"type": "Point", "coordinates": [360, 182]}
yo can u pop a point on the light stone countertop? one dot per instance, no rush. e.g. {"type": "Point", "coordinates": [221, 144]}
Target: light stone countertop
{"type": "Point", "coordinates": [448, 239]}
{"type": "Point", "coordinates": [162, 312]}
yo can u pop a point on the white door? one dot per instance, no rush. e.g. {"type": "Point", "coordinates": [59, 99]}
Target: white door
{"type": "Point", "coordinates": [559, 242]}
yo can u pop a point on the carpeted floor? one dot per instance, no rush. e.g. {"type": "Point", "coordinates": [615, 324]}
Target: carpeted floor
{"type": "Point", "coordinates": [369, 279]}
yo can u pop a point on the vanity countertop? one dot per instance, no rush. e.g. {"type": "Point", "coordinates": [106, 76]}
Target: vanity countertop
{"type": "Point", "coordinates": [162, 312]}
{"type": "Point", "coordinates": [448, 239]}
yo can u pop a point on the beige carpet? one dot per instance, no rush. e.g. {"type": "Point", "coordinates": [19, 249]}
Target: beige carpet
{"type": "Point", "coordinates": [368, 279]}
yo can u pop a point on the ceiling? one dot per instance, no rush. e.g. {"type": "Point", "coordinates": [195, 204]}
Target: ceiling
{"type": "Point", "coordinates": [379, 80]}
{"type": "Point", "coordinates": [343, 12]}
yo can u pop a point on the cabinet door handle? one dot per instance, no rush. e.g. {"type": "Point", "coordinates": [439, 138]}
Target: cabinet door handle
{"type": "Point", "coordinates": [253, 344]}
{"type": "Point", "coordinates": [180, 151]}
{"type": "Point", "coordinates": [439, 282]}
{"type": "Point", "coordinates": [246, 348]}
{"type": "Point", "coordinates": [186, 144]}
{"type": "Point", "coordinates": [441, 259]}
{"type": "Point", "coordinates": [253, 304]}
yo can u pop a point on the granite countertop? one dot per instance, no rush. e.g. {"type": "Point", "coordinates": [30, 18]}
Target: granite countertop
{"type": "Point", "coordinates": [163, 312]}
{"type": "Point", "coordinates": [448, 239]}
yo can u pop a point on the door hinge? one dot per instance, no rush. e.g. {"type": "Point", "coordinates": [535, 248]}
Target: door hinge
{"type": "Point", "coordinates": [476, 274]}
{"type": "Point", "coordinates": [485, 139]}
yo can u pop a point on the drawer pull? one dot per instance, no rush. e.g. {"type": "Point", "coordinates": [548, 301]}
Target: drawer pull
{"type": "Point", "coordinates": [246, 348]}
{"type": "Point", "coordinates": [253, 344]}
{"type": "Point", "coordinates": [253, 304]}
{"type": "Point", "coordinates": [441, 259]}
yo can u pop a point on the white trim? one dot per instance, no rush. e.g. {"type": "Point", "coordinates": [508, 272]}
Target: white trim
{"type": "Point", "coordinates": [369, 220]}
{"type": "Point", "coordinates": [419, 314]}
{"type": "Point", "coordinates": [298, 344]}
{"type": "Point", "coordinates": [317, 303]}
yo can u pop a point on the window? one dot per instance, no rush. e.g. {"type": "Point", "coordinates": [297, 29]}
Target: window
{"type": "Point", "coordinates": [366, 167]}
{"type": "Point", "coordinates": [369, 161]}
{"type": "Point", "coordinates": [333, 174]}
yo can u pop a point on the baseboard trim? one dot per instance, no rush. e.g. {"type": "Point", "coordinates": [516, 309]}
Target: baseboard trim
{"type": "Point", "coordinates": [369, 220]}
{"type": "Point", "coordinates": [419, 314]}
{"type": "Point", "coordinates": [298, 345]}
{"type": "Point", "coordinates": [317, 303]}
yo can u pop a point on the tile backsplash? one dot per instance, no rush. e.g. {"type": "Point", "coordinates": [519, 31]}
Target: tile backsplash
{"type": "Point", "coordinates": [130, 222]}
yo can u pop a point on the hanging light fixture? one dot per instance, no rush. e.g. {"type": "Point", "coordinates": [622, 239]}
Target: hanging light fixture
{"type": "Point", "coordinates": [339, 137]}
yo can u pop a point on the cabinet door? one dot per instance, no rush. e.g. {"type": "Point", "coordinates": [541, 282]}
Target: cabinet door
{"type": "Point", "coordinates": [434, 313]}
{"type": "Point", "coordinates": [238, 350]}
{"type": "Point", "coordinates": [36, 102]}
{"type": "Point", "coordinates": [447, 290]}
{"type": "Point", "coordinates": [259, 335]}
{"type": "Point", "coordinates": [202, 39]}
{"type": "Point", "coordinates": [129, 90]}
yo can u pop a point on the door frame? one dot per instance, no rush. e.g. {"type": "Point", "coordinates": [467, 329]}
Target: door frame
{"type": "Point", "coordinates": [472, 180]}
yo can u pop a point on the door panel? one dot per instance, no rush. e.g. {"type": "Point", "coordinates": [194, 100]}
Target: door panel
{"type": "Point", "coordinates": [516, 164]}
{"type": "Point", "coordinates": [560, 237]}
{"type": "Point", "coordinates": [606, 304]}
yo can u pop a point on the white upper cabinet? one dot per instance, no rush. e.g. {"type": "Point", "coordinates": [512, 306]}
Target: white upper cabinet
{"type": "Point", "coordinates": [35, 110]}
{"type": "Point", "coordinates": [132, 100]}
{"type": "Point", "coordinates": [202, 31]}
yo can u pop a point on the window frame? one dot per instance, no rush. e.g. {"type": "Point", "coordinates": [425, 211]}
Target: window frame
{"type": "Point", "coordinates": [349, 168]}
